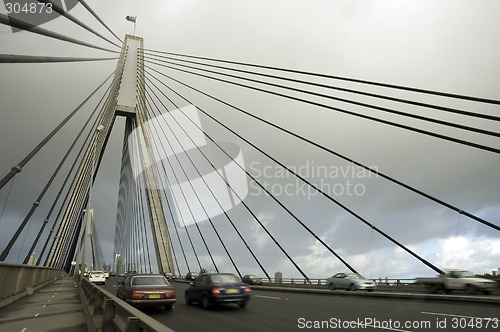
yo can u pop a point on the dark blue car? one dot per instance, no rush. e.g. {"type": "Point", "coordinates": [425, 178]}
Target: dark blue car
{"type": "Point", "coordinates": [217, 288]}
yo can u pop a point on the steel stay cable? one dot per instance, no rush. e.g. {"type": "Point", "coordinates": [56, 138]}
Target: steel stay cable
{"type": "Point", "coordinates": [171, 213]}
{"type": "Point", "coordinates": [270, 194]}
{"type": "Point", "coordinates": [46, 220]}
{"type": "Point", "coordinates": [138, 217]}
{"type": "Point", "coordinates": [200, 176]}
{"type": "Point", "coordinates": [69, 188]}
{"type": "Point", "coordinates": [16, 23]}
{"type": "Point", "coordinates": [73, 19]}
{"type": "Point", "coordinates": [155, 205]}
{"type": "Point", "coordinates": [35, 205]}
{"type": "Point", "coordinates": [22, 163]}
{"type": "Point", "coordinates": [374, 95]}
{"type": "Point", "coordinates": [185, 199]}
{"type": "Point", "coordinates": [176, 203]}
{"type": "Point", "coordinates": [210, 190]}
{"type": "Point", "coordinates": [370, 169]}
{"type": "Point", "coordinates": [225, 213]}
{"type": "Point", "coordinates": [144, 228]}
{"type": "Point", "coordinates": [98, 18]}
{"type": "Point", "coordinates": [367, 117]}
{"type": "Point", "coordinates": [350, 211]}
{"type": "Point", "coordinates": [18, 58]}
{"type": "Point", "coordinates": [7, 198]}
{"type": "Point", "coordinates": [207, 186]}
{"type": "Point", "coordinates": [173, 220]}
{"type": "Point", "coordinates": [256, 218]}
{"type": "Point", "coordinates": [392, 86]}
{"type": "Point", "coordinates": [181, 217]}
{"type": "Point", "coordinates": [82, 196]}
{"type": "Point", "coordinates": [141, 201]}
{"type": "Point", "coordinates": [123, 246]}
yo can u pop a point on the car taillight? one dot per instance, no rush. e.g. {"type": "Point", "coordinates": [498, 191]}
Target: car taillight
{"type": "Point", "coordinates": [215, 291]}
{"type": "Point", "coordinates": [247, 290]}
{"type": "Point", "coordinates": [137, 296]}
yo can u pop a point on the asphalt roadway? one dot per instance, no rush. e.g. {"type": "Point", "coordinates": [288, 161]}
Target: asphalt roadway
{"type": "Point", "coordinates": [333, 310]}
{"type": "Point", "coordinates": [53, 308]}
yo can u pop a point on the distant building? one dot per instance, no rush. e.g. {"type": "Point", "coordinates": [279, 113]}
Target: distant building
{"type": "Point", "coordinates": [496, 272]}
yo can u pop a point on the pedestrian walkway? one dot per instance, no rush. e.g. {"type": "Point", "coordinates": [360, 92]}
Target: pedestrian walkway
{"type": "Point", "coordinates": [55, 308]}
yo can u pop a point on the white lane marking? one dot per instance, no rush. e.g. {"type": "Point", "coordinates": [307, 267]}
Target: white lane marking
{"type": "Point", "coordinates": [269, 297]}
{"type": "Point", "coordinates": [449, 315]}
{"type": "Point", "coordinates": [23, 330]}
{"type": "Point", "coordinates": [37, 315]}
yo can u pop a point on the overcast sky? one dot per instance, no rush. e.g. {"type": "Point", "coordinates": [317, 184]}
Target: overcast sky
{"type": "Point", "coordinates": [449, 46]}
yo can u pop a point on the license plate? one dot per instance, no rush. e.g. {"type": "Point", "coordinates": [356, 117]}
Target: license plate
{"type": "Point", "coordinates": [232, 291]}
{"type": "Point", "coordinates": [154, 296]}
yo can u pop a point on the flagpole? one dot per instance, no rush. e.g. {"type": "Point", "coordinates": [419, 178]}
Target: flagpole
{"type": "Point", "coordinates": [134, 28]}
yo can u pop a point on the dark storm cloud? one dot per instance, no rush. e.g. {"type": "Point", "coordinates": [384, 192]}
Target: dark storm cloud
{"type": "Point", "coordinates": [421, 44]}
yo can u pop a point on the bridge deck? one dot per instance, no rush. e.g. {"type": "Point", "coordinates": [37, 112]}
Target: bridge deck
{"type": "Point", "coordinates": [55, 307]}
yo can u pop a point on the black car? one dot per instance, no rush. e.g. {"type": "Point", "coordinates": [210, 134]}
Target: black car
{"type": "Point", "coordinates": [251, 279]}
{"type": "Point", "coordinates": [217, 288]}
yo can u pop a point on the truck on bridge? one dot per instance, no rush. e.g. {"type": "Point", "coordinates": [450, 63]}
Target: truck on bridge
{"type": "Point", "coordinates": [461, 280]}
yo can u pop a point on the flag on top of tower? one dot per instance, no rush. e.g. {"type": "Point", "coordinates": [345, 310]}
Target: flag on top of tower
{"type": "Point", "coordinates": [131, 18]}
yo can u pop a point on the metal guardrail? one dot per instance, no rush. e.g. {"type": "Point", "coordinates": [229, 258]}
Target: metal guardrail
{"type": "Point", "coordinates": [105, 312]}
{"type": "Point", "coordinates": [21, 280]}
{"type": "Point", "coordinates": [302, 281]}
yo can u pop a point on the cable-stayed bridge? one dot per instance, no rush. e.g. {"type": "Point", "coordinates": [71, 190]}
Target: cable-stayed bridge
{"type": "Point", "coordinates": [248, 168]}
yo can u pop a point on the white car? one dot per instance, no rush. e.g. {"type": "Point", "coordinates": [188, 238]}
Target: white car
{"type": "Point", "coordinates": [350, 282]}
{"type": "Point", "coordinates": [97, 277]}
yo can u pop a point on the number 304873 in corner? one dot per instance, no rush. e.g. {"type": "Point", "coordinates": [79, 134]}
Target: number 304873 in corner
{"type": "Point", "coordinates": [12, 7]}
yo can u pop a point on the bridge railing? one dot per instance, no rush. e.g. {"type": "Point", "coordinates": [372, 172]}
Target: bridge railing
{"type": "Point", "coordinates": [105, 312]}
{"type": "Point", "coordinates": [21, 280]}
{"type": "Point", "coordinates": [322, 282]}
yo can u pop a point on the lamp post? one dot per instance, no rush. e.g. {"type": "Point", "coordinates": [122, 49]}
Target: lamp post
{"type": "Point", "coordinates": [89, 212]}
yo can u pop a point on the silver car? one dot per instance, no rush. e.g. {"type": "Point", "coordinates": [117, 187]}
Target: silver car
{"type": "Point", "coordinates": [350, 281]}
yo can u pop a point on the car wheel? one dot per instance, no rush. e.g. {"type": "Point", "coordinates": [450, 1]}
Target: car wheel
{"type": "Point", "coordinates": [351, 287]}
{"type": "Point", "coordinates": [470, 289]}
{"type": "Point", "coordinates": [205, 303]}
{"type": "Point", "coordinates": [331, 286]}
{"type": "Point", "coordinates": [187, 298]}
{"type": "Point", "coordinates": [438, 289]}
{"type": "Point", "coordinates": [242, 304]}
{"type": "Point", "coordinates": [168, 307]}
